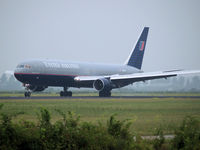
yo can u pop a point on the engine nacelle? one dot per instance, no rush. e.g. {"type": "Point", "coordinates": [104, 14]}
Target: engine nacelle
{"type": "Point", "coordinates": [36, 88]}
{"type": "Point", "coordinates": [102, 84]}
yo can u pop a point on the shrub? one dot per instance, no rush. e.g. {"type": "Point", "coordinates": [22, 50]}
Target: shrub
{"type": "Point", "coordinates": [120, 131]}
{"type": "Point", "coordinates": [187, 136]}
{"type": "Point", "coordinates": [70, 133]}
{"type": "Point", "coordinates": [9, 136]}
{"type": "Point", "coordinates": [159, 141]}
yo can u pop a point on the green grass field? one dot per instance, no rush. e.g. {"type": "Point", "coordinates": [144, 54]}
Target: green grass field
{"type": "Point", "coordinates": [146, 114]}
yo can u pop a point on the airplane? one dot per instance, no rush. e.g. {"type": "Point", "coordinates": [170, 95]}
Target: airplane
{"type": "Point", "coordinates": [37, 75]}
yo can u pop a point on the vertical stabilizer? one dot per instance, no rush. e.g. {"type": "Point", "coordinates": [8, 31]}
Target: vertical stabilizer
{"type": "Point", "coordinates": [136, 57]}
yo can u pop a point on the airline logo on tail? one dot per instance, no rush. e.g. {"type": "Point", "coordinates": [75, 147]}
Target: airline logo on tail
{"type": "Point", "coordinates": [141, 46]}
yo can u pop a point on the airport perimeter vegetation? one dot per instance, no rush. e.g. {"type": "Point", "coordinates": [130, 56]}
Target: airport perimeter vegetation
{"type": "Point", "coordinates": [146, 114]}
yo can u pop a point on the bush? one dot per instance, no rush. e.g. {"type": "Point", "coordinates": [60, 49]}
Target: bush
{"type": "Point", "coordinates": [10, 137]}
{"type": "Point", "coordinates": [187, 136]}
{"type": "Point", "coordinates": [67, 133]}
{"type": "Point", "coordinates": [70, 133]}
{"type": "Point", "coordinates": [159, 141]}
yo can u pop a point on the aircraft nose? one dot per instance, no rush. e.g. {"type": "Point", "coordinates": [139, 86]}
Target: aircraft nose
{"type": "Point", "coordinates": [16, 71]}
{"type": "Point", "coordinates": [16, 74]}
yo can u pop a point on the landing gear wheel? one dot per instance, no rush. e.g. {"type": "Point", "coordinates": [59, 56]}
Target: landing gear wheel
{"type": "Point", "coordinates": [61, 94]}
{"type": "Point", "coordinates": [69, 94]}
{"type": "Point", "coordinates": [104, 94]}
{"type": "Point", "coordinates": [66, 93]}
{"type": "Point", "coordinates": [27, 94]}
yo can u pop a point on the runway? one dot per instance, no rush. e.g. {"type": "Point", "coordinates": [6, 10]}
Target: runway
{"type": "Point", "coordinates": [96, 97]}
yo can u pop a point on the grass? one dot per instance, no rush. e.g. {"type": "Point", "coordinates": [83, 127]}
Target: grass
{"type": "Point", "coordinates": [146, 114]}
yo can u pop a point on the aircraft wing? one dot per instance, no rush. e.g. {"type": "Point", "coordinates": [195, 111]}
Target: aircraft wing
{"type": "Point", "coordinates": [122, 80]}
{"type": "Point", "coordinates": [151, 75]}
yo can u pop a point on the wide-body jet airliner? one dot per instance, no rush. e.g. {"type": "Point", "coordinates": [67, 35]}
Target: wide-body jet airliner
{"type": "Point", "coordinates": [37, 75]}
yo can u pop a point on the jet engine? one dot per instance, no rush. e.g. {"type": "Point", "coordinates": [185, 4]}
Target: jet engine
{"type": "Point", "coordinates": [102, 84]}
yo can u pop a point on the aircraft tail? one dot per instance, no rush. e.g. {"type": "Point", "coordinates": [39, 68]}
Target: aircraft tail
{"type": "Point", "coordinates": [136, 57]}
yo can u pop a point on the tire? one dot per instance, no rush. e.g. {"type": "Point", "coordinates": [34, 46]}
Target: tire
{"type": "Point", "coordinates": [66, 94]}
{"type": "Point", "coordinates": [27, 94]}
{"type": "Point", "coordinates": [104, 94]}
{"type": "Point", "coordinates": [62, 94]}
{"type": "Point", "coordinates": [69, 94]}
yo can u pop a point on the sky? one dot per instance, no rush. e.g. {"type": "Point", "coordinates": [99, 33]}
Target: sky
{"type": "Point", "coordinates": [100, 31]}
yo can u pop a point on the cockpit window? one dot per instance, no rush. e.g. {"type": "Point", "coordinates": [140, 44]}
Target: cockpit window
{"type": "Point", "coordinates": [24, 66]}
{"type": "Point", "coordinates": [27, 66]}
{"type": "Point", "coordinates": [20, 66]}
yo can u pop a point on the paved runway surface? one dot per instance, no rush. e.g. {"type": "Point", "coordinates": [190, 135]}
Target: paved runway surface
{"type": "Point", "coordinates": [157, 137]}
{"type": "Point", "coordinates": [96, 97]}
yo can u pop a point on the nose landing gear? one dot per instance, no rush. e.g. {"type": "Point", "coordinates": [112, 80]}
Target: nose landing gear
{"type": "Point", "coordinates": [27, 93]}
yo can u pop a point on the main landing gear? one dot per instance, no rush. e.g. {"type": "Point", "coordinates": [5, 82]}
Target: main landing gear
{"type": "Point", "coordinates": [65, 93]}
{"type": "Point", "coordinates": [104, 93]}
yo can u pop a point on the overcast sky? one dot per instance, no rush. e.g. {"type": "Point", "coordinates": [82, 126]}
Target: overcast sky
{"type": "Point", "coordinates": [100, 31]}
